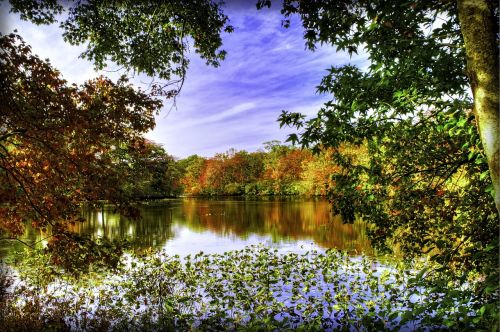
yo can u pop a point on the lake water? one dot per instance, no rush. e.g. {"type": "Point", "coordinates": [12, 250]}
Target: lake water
{"type": "Point", "coordinates": [187, 225]}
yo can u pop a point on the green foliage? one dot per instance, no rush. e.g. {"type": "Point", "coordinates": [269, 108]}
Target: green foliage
{"type": "Point", "coordinates": [68, 255]}
{"type": "Point", "coordinates": [39, 12]}
{"type": "Point", "coordinates": [234, 189]}
{"type": "Point", "coordinates": [149, 170]}
{"type": "Point", "coordinates": [143, 37]}
{"type": "Point", "coordinates": [255, 288]}
{"type": "Point", "coordinates": [425, 184]}
{"type": "Point", "coordinates": [78, 254]}
{"type": "Point", "coordinates": [191, 169]}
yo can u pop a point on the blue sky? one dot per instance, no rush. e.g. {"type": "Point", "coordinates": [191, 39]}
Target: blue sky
{"type": "Point", "coordinates": [236, 105]}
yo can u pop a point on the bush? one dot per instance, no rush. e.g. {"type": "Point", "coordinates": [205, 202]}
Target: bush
{"type": "Point", "coordinates": [234, 189]}
{"type": "Point", "coordinates": [251, 189]}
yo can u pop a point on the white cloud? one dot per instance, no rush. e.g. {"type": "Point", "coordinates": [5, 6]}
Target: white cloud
{"type": "Point", "coordinates": [267, 69]}
{"type": "Point", "coordinates": [202, 120]}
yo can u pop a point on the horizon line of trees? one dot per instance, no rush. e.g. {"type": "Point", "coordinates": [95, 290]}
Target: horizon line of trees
{"type": "Point", "coordinates": [277, 169]}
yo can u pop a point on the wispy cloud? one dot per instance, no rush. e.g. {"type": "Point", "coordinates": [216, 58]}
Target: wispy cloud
{"type": "Point", "coordinates": [267, 69]}
{"type": "Point", "coordinates": [216, 118]}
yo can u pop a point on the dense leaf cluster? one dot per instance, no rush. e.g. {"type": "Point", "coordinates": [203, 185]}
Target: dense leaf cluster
{"type": "Point", "coordinates": [426, 185]}
{"type": "Point", "coordinates": [59, 142]}
{"type": "Point", "coordinates": [146, 37]}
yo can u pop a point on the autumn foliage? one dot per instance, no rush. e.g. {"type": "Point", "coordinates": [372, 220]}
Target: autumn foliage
{"type": "Point", "coordinates": [63, 144]}
{"type": "Point", "coordinates": [278, 170]}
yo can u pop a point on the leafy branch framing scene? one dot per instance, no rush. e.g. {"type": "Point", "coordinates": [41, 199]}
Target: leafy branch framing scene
{"type": "Point", "coordinates": [382, 214]}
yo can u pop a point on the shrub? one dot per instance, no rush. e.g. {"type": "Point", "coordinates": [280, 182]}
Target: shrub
{"type": "Point", "coordinates": [234, 189]}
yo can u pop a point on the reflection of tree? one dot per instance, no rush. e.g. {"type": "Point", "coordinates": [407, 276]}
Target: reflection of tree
{"type": "Point", "coordinates": [152, 229]}
{"type": "Point", "coordinates": [31, 237]}
{"type": "Point", "coordinates": [283, 220]}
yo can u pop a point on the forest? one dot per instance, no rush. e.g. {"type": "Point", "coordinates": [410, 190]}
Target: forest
{"type": "Point", "coordinates": [407, 146]}
{"type": "Point", "coordinates": [274, 170]}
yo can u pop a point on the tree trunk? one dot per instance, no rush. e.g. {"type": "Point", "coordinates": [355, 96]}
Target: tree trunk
{"type": "Point", "coordinates": [478, 27]}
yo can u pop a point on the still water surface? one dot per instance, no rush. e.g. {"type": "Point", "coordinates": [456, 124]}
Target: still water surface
{"type": "Point", "coordinates": [187, 226]}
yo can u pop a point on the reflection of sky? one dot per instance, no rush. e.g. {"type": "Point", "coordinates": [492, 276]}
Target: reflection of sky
{"type": "Point", "coordinates": [188, 226]}
{"type": "Point", "coordinates": [189, 242]}
{"type": "Point", "coordinates": [267, 69]}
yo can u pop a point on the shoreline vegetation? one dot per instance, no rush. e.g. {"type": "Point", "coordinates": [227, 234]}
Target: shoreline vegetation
{"type": "Point", "coordinates": [276, 170]}
{"type": "Point", "coordinates": [256, 288]}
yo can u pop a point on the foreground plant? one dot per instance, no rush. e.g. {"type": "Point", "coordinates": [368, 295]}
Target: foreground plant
{"type": "Point", "coordinates": [254, 288]}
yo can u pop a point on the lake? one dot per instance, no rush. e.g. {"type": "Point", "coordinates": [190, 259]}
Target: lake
{"type": "Point", "coordinates": [291, 280]}
{"type": "Point", "coordinates": [189, 225]}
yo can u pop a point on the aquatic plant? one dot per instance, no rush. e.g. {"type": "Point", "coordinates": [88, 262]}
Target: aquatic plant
{"type": "Point", "coordinates": [257, 288]}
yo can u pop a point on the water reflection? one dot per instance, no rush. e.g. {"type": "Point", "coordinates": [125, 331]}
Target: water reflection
{"type": "Point", "coordinates": [189, 225]}
{"type": "Point", "coordinates": [152, 230]}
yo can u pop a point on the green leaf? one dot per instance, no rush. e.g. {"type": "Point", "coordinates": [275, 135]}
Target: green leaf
{"type": "Point", "coordinates": [471, 155]}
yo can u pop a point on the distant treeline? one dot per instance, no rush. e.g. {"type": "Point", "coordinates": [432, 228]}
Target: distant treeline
{"type": "Point", "coordinates": [275, 170]}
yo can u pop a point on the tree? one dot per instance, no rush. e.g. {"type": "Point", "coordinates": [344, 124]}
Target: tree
{"type": "Point", "coordinates": [285, 164]}
{"type": "Point", "coordinates": [155, 173]}
{"type": "Point", "coordinates": [64, 145]}
{"type": "Point", "coordinates": [192, 169]}
{"type": "Point", "coordinates": [147, 37]}
{"type": "Point", "coordinates": [431, 173]}
{"type": "Point", "coordinates": [431, 183]}
{"type": "Point", "coordinates": [479, 26]}
{"type": "Point", "coordinates": [227, 173]}
{"type": "Point", "coordinates": [58, 141]}
{"type": "Point", "coordinates": [318, 172]}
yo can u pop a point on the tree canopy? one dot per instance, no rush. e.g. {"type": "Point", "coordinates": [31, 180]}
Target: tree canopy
{"type": "Point", "coordinates": [433, 165]}
{"type": "Point", "coordinates": [147, 37]}
{"type": "Point", "coordinates": [59, 142]}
